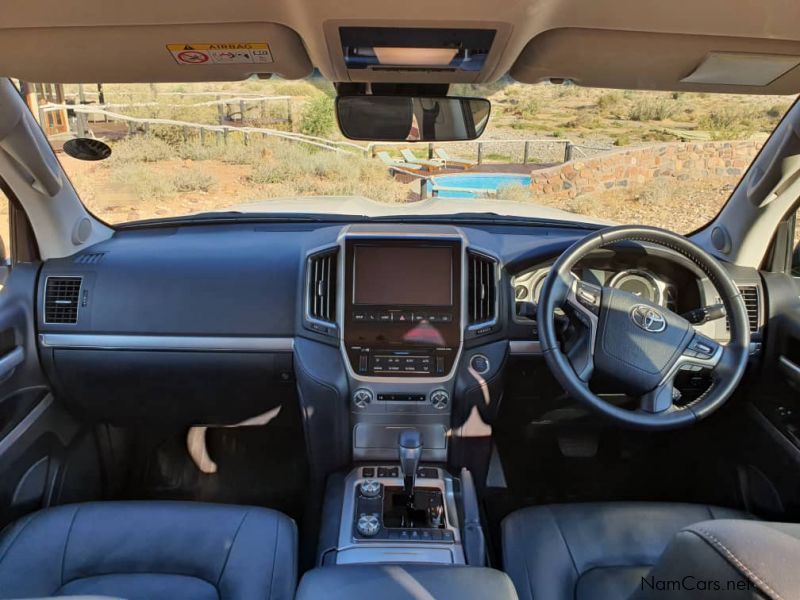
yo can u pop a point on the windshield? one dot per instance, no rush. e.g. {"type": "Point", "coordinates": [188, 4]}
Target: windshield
{"type": "Point", "coordinates": [557, 152]}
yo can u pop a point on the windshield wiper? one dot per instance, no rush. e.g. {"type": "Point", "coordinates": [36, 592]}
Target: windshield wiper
{"type": "Point", "coordinates": [211, 218]}
{"type": "Point", "coordinates": [483, 218]}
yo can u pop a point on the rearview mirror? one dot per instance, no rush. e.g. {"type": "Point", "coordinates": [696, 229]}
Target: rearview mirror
{"type": "Point", "coordinates": [412, 119]}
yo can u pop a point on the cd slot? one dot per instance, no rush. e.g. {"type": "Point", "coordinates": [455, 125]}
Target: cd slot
{"type": "Point", "coordinates": [401, 397]}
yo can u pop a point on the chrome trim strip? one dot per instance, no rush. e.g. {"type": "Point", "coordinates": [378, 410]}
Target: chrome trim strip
{"type": "Point", "coordinates": [523, 347]}
{"type": "Point", "coordinates": [11, 360]}
{"type": "Point", "coordinates": [21, 428]}
{"type": "Point", "coordinates": [790, 366]}
{"type": "Point", "coordinates": [166, 342]}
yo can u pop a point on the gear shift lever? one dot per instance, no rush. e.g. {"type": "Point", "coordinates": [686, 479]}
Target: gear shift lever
{"type": "Point", "coordinates": [410, 449]}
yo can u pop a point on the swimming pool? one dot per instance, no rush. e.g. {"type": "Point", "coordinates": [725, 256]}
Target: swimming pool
{"type": "Point", "coordinates": [474, 185]}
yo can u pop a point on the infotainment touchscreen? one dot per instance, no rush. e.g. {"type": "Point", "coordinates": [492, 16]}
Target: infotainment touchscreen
{"type": "Point", "coordinates": [403, 275]}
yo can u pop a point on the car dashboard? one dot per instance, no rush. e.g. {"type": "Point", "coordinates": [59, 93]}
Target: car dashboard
{"type": "Point", "coordinates": [371, 327]}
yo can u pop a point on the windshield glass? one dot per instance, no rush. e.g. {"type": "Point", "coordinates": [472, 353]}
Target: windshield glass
{"type": "Point", "coordinates": [550, 151]}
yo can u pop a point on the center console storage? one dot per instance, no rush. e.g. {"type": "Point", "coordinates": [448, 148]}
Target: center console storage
{"type": "Point", "coordinates": [381, 522]}
{"type": "Point", "coordinates": [405, 582]}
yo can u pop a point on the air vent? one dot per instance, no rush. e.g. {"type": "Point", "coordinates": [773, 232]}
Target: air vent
{"type": "Point", "coordinates": [750, 296]}
{"type": "Point", "coordinates": [89, 258]}
{"type": "Point", "coordinates": [321, 292]}
{"type": "Point", "coordinates": [61, 297]}
{"type": "Point", "coordinates": [481, 288]}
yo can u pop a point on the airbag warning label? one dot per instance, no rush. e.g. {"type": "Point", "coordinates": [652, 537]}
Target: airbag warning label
{"type": "Point", "coordinates": [220, 54]}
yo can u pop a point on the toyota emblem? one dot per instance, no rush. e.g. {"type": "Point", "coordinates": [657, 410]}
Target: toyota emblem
{"type": "Point", "coordinates": [648, 318]}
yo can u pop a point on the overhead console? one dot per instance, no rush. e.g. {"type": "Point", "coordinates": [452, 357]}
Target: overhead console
{"type": "Point", "coordinates": [416, 54]}
{"type": "Point", "coordinates": [402, 306]}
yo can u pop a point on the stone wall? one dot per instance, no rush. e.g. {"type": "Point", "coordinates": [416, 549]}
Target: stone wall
{"type": "Point", "coordinates": [635, 166]}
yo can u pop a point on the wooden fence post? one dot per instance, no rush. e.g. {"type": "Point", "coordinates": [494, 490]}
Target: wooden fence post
{"type": "Point", "coordinates": [289, 118]}
{"type": "Point", "coordinates": [220, 112]}
{"type": "Point", "coordinates": [430, 150]}
{"type": "Point", "coordinates": [185, 133]}
{"type": "Point", "coordinates": [568, 151]}
{"type": "Point", "coordinates": [241, 111]}
{"type": "Point", "coordinates": [79, 116]}
{"type": "Point", "coordinates": [217, 137]}
{"type": "Point", "coordinates": [202, 136]}
{"type": "Point", "coordinates": [225, 136]}
{"type": "Point", "coordinates": [525, 153]}
{"type": "Point", "coordinates": [480, 152]}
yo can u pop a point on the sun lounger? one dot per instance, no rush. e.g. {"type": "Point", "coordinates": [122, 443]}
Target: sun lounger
{"type": "Point", "coordinates": [430, 165]}
{"type": "Point", "coordinates": [399, 165]}
{"type": "Point", "coordinates": [454, 161]}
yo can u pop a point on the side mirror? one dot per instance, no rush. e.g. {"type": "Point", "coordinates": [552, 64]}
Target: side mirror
{"type": "Point", "coordinates": [412, 118]}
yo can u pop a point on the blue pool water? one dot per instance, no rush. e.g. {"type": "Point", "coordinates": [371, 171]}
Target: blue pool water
{"type": "Point", "coordinates": [474, 183]}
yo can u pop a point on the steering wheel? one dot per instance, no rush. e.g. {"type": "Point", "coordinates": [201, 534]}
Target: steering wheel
{"type": "Point", "coordinates": [635, 344]}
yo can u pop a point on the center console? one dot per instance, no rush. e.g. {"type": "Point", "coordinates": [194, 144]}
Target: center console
{"type": "Point", "coordinates": [402, 309]}
{"type": "Point", "coordinates": [402, 322]}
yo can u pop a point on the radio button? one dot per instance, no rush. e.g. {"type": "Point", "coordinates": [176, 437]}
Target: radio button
{"type": "Point", "coordinates": [386, 317]}
{"type": "Point", "coordinates": [359, 316]}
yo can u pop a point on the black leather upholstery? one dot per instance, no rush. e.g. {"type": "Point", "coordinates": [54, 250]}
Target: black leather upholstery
{"type": "Point", "coordinates": [727, 560]}
{"type": "Point", "coordinates": [592, 551]}
{"type": "Point", "coordinates": [150, 551]}
{"type": "Point", "coordinates": [405, 582]}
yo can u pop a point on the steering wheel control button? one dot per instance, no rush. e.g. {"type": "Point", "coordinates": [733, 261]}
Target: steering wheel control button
{"type": "Point", "coordinates": [362, 398]}
{"type": "Point", "coordinates": [480, 364]}
{"type": "Point", "coordinates": [368, 525]}
{"type": "Point", "coordinates": [589, 297]}
{"type": "Point", "coordinates": [440, 399]}
{"type": "Point", "coordinates": [370, 488]}
{"type": "Point", "coordinates": [701, 347]}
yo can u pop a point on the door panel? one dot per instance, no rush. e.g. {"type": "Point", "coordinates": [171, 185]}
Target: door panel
{"type": "Point", "coordinates": [38, 438]}
{"type": "Point", "coordinates": [772, 427]}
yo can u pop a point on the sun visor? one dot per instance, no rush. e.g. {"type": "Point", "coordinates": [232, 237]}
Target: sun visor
{"type": "Point", "coordinates": [661, 61]}
{"type": "Point", "coordinates": [152, 53]}
{"type": "Point", "coordinates": [728, 68]}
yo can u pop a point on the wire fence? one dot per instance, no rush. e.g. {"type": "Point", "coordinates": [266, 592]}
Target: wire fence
{"type": "Point", "coordinates": [537, 151]}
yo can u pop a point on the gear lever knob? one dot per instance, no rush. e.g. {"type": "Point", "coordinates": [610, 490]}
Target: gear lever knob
{"type": "Point", "coordinates": [410, 449]}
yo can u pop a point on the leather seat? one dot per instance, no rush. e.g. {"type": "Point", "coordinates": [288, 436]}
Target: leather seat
{"type": "Point", "coordinates": [150, 551]}
{"type": "Point", "coordinates": [593, 551]}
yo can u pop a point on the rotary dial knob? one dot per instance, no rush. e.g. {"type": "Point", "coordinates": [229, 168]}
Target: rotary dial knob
{"type": "Point", "coordinates": [368, 525]}
{"type": "Point", "coordinates": [370, 488]}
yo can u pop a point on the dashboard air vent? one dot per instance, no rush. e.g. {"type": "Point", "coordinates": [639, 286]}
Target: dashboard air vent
{"type": "Point", "coordinates": [321, 292]}
{"type": "Point", "coordinates": [89, 258]}
{"type": "Point", "coordinates": [481, 288]}
{"type": "Point", "coordinates": [751, 298]}
{"type": "Point", "coordinates": [61, 297]}
{"type": "Point", "coordinates": [751, 302]}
